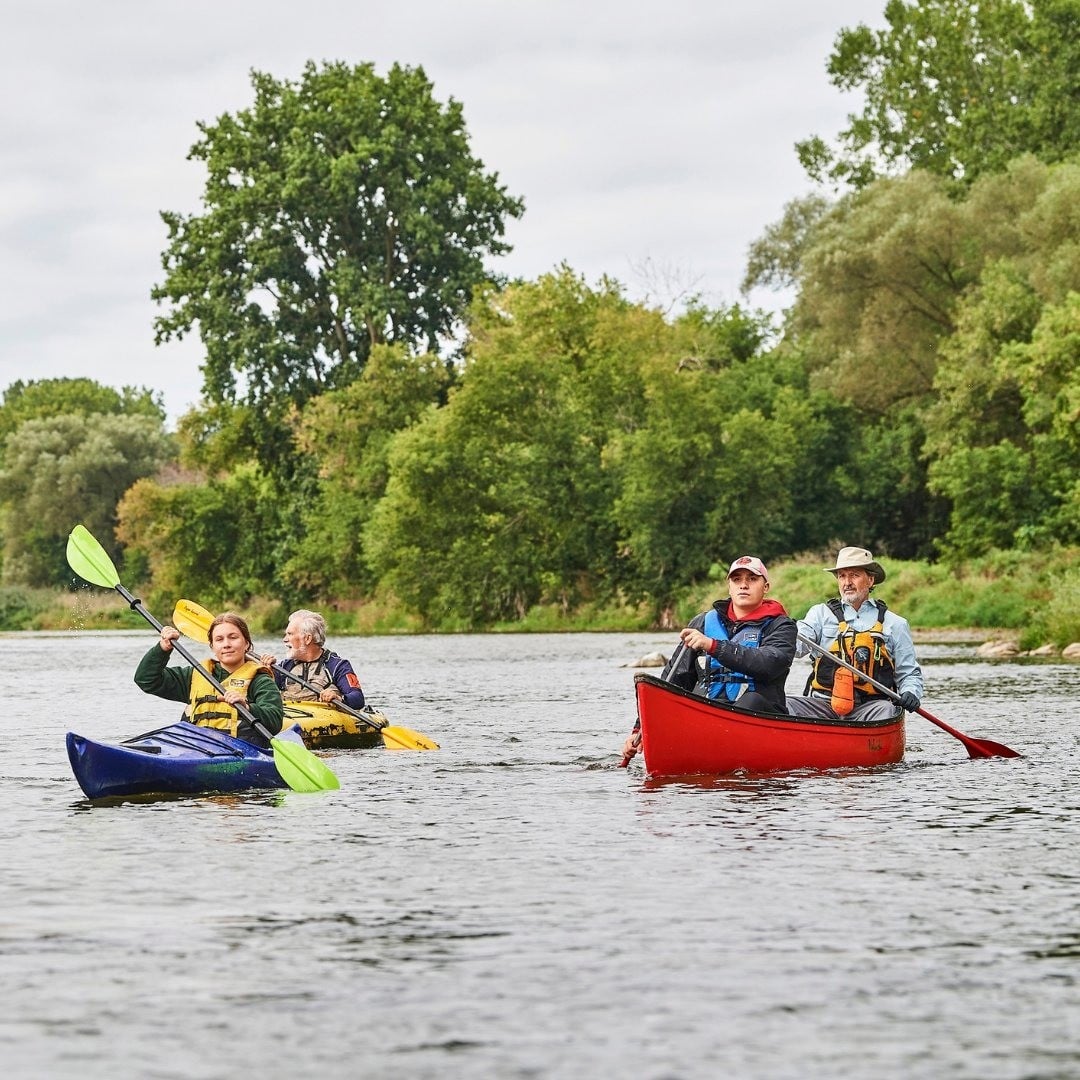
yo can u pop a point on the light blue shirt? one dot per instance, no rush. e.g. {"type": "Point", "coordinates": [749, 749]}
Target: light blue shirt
{"type": "Point", "coordinates": [820, 625]}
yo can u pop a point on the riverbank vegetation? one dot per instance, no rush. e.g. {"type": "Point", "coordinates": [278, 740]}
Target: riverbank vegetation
{"type": "Point", "coordinates": [1030, 598]}
{"type": "Point", "coordinates": [392, 433]}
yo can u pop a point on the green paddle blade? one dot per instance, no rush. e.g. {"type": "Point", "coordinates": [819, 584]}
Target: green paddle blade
{"type": "Point", "coordinates": [301, 769]}
{"type": "Point", "coordinates": [90, 560]}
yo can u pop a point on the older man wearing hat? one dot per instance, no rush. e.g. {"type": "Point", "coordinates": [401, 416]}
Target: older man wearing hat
{"type": "Point", "coordinates": [862, 631]}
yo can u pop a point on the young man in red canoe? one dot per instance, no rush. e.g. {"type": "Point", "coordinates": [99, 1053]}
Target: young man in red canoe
{"type": "Point", "coordinates": [868, 636]}
{"type": "Point", "coordinates": [739, 652]}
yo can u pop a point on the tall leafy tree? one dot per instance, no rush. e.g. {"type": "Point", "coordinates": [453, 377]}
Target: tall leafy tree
{"type": "Point", "coordinates": [346, 434]}
{"type": "Point", "coordinates": [340, 212]}
{"type": "Point", "coordinates": [1003, 437]}
{"type": "Point", "coordinates": [956, 87]}
{"type": "Point", "coordinates": [39, 399]}
{"type": "Point", "coordinates": [882, 275]}
{"type": "Point", "coordinates": [501, 500]}
{"type": "Point", "coordinates": [67, 469]}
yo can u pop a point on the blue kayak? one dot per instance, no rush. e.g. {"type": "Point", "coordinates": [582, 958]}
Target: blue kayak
{"type": "Point", "coordinates": [180, 758]}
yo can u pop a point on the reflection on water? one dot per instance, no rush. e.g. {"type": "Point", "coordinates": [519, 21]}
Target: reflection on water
{"type": "Point", "coordinates": [263, 798]}
{"type": "Point", "coordinates": [759, 785]}
{"type": "Point", "coordinates": [515, 905]}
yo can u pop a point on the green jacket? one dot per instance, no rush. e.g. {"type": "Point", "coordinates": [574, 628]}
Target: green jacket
{"type": "Point", "coordinates": [154, 676]}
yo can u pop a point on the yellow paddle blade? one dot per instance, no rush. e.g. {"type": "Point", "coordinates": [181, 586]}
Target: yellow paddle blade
{"type": "Point", "coordinates": [401, 738]}
{"type": "Point", "coordinates": [192, 620]}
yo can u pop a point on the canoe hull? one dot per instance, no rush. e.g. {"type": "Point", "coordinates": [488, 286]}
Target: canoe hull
{"type": "Point", "coordinates": [178, 759]}
{"type": "Point", "coordinates": [683, 735]}
{"type": "Point", "coordinates": [324, 727]}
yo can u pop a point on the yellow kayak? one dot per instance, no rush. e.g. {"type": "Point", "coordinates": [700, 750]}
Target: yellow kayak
{"type": "Point", "coordinates": [324, 727]}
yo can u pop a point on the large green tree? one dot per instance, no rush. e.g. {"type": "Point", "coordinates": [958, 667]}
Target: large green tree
{"type": "Point", "coordinates": [340, 212]}
{"type": "Point", "coordinates": [64, 470]}
{"type": "Point", "coordinates": [880, 277]}
{"type": "Point", "coordinates": [345, 435]}
{"type": "Point", "coordinates": [39, 399]}
{"type": "Point", "coordinates": [956, 87]}
{"type": "Point", "coordinates": [501, 500]}
{"type": "Point", "coordinates": [1003, 437]}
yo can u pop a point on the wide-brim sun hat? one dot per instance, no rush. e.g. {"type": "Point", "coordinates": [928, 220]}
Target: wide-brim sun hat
{"type": "Point", "coordinates": [857, 558]}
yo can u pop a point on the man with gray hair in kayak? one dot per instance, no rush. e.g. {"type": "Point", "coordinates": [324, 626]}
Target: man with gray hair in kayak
{"type": "Point", "coordinates": [863, 632]}
{"type": "Point", "coordinates": [305, 640]}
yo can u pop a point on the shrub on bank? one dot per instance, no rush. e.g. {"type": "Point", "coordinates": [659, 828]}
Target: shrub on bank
{"type": "Point", "coordinates": [20, 607]}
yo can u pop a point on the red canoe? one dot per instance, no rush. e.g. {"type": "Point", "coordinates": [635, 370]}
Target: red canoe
{"type": "Point", "coordinates": [683, 734]}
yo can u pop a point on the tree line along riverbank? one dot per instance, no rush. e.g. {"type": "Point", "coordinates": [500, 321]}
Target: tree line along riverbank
{"type": "Point", "coordinates": [1029, 600]}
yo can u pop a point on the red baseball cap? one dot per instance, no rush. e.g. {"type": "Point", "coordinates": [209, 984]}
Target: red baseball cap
{"type": "Point", "coordinates": [748, 562]}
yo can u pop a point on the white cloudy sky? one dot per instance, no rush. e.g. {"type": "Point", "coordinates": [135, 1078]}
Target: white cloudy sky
{"type": "Point", "coordinates": [651, 140]}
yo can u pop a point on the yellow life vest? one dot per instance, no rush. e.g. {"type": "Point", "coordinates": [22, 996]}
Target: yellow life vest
{"type": "Point", "coordinates": [206, 707]}
{"type": "Point", "coordinates": [864, 649]}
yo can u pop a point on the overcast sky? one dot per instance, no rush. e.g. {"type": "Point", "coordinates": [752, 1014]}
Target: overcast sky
{"type": "Point", "coordinates": [652, 141]}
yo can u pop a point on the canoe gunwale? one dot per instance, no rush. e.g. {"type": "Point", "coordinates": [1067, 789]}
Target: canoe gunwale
{"type": "Point", "coordinates": [685, 734]}
{"type": "Point", "coordinates": [726, 709]}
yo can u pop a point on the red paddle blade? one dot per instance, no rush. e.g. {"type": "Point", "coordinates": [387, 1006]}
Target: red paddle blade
{"type": "Point", "coordinates": [986, 748]}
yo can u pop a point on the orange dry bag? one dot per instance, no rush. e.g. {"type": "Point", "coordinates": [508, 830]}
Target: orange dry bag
{"type": "Point", "coordinates": [843, 692]}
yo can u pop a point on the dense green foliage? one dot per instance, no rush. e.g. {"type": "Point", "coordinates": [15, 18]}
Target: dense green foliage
{"type": "Point", "coordinates": [346, 434]}
{"type": "Point", "coordinates": [69, 448]}
{"type": "Point", "coordinates": [41, 399]}
{"type": "Point", "coordinates": [955, 88]}
{"type": "Point", "coordinates": [340, 212]}
{"type": "Point", "coordinates": [574, 455]}
{"type": "Point", "coordinates": [950, 323]}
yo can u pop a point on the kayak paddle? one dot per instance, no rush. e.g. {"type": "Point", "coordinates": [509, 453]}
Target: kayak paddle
{"type": "Point", "coordinates": [976, 748]}
{"type": "Point", "coordinates": [299, 767]}
{"type": "Point", "coordinates": [194, 620]}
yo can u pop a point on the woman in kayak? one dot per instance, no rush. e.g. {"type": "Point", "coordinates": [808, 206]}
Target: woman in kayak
{"type": "Point", "coordinates": [737, 653]}
{"type": "Point", "coordinates": [247, 683]}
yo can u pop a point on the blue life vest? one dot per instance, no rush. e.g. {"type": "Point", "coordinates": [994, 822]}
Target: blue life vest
{"type": "Point", "coordinates": [731, 684]}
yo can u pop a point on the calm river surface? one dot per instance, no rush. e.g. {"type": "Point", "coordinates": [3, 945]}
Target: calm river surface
{"type": "Point", "coordinates": [515, 905]}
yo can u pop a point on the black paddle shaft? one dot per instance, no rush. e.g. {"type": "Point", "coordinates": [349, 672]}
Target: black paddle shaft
{"type": "Point", "coordinates": [675, 657]}
{"type": "Point", "coordinates": [291, 675]}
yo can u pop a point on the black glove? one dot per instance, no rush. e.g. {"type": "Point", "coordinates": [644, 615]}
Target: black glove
{"type": "Point", "coordinates": [909, 701]}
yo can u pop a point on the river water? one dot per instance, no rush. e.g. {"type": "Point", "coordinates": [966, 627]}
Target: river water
{"type": "Point", "coordinates": [515, 905]}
